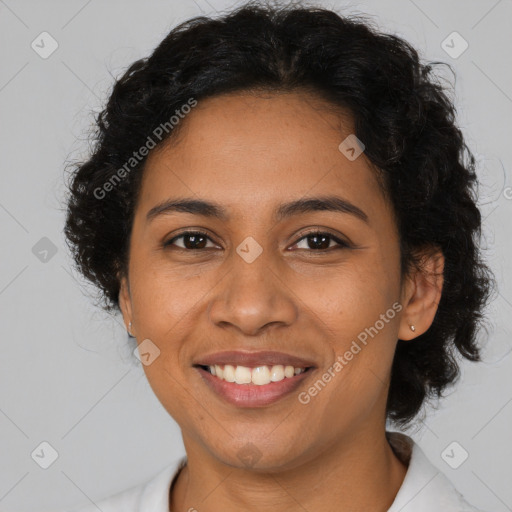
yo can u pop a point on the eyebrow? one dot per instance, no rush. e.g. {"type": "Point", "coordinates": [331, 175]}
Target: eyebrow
{"type": "Point", "coordinates": [285, 210]}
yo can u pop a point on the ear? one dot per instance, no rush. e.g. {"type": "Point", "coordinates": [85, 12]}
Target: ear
{"type": "Point", "coordinates": [421, 294]}
{"type": "Point", "coordinates": [125, 302]}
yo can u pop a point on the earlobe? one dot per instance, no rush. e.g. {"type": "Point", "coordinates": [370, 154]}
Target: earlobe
{"type": "Point", "coordinates": [125, 303]}
{"type": "Point", "coordinates": [423, 295]}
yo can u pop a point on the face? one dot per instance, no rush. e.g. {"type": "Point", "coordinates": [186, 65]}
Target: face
{"type": "Point", "coordinates": [255, 280]}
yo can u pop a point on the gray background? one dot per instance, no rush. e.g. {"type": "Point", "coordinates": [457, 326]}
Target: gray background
{"type": "Point", "coordinates": [67, 374]}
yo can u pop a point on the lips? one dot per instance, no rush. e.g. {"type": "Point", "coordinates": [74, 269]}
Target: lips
{"type": "Point", "coordinates": [254, 359]}
{"type": "Point", "coordinates": [252, 395]}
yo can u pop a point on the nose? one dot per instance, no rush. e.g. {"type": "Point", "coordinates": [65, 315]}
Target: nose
{"type": "Point", "coordinates": [252, 296]}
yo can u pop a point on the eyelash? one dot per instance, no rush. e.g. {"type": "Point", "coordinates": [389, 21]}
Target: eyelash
{"type": "Point", "coordinates": [341, 244]}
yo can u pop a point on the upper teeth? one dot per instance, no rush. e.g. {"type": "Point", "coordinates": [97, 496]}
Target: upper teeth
{"type": "Point", "coordinates": [259, 375]}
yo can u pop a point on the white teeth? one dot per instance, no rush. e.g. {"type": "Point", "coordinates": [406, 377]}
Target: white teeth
{"type": "Point", "coordinates": [277, 373]}
{"type": "Point", "coordinates": [229, 373]}
{"type": "Point", "coordinates": [260, 375]}
{"type": "Point", "coordinates": [242, 375]}
{"type": "Point", "coordinates": [289, 371]}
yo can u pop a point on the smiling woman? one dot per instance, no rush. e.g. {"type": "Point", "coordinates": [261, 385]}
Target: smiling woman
{"type": "Point", "coordinates": [302, 249]}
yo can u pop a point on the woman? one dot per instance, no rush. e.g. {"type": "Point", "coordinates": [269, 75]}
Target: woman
{"type": "Point", "coordinates": [282, 207]}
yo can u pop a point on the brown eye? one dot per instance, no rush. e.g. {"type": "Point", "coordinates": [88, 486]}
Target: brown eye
{"type": "Point", "coordinates": [191, 240]}
{"type": "Point", "coordinates": [318, 241]}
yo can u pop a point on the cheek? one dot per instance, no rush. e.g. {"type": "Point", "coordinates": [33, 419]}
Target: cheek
{"type": "Point", "coordinates": [351, 295]}
{"type": "Point", "coordinates": [164, 307]}
{"type": "Point", "coordinates": [172, 390]}
{"type": "Point", "coordinates": [163, 295]}
{"type": "Point", "coordinates": [358, 310]}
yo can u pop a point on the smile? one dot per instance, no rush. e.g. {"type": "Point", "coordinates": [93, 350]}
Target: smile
{"type": "Point", "coordinates": [260, 386]}
{"type": "Point", "coordinates": [259, 375]}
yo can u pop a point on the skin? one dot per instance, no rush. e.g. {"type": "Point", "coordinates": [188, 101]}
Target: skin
{"type": "Point", "coordinates": [251, 153]}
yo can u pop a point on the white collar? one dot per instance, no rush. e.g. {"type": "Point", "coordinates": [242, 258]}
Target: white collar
{"type": "Point", "coordinates": [424, 489]}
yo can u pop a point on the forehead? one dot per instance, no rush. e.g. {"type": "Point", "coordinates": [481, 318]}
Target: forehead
{"type": "Point", "coordinates": [258, 149]}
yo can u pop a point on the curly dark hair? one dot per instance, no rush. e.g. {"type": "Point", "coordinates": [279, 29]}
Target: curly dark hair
{"type": "Point", "coordinates": [400, 110]}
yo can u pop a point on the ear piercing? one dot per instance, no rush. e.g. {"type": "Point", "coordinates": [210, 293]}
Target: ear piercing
{"type": "Point", "coordinates": [411, 326]}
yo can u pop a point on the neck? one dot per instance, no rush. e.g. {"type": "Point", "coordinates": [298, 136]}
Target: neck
{"type": "Point", "coordinates": [359, 474]}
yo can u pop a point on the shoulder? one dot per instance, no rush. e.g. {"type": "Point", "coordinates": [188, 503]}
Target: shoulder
{"type": "Point", "coordinates": [153, 494]}
{"type": "Point", "coordinates": [425, 488]}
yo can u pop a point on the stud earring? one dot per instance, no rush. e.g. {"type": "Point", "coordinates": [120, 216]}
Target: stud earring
{"type": "Point", "coordinates": [130, 329]}
{"type": "Point", "coordinates": [411, 326]}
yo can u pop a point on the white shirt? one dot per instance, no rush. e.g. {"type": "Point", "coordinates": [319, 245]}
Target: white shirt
{"type": "Point", "coordinates": [424, 489]}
